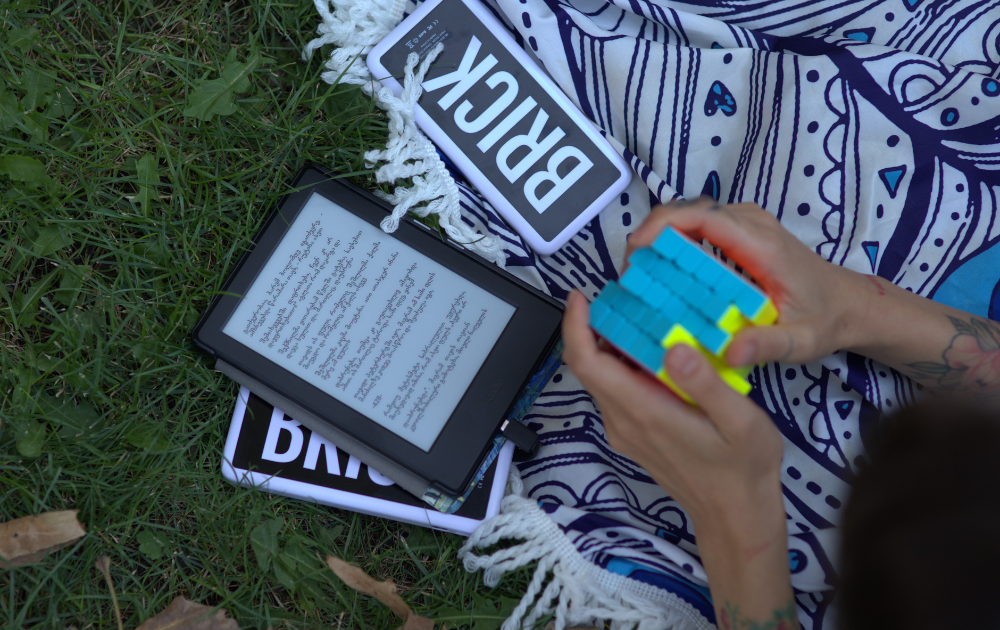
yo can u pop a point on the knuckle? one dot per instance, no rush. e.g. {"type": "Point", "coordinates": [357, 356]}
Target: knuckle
{"type": "Point", "coordinates": [741, 209]}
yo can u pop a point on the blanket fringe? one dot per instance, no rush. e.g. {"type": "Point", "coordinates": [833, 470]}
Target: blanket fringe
{"type": "Point", "coordinates": [354, 27]}
{"type": "Point", "coordinates": [564, 584]}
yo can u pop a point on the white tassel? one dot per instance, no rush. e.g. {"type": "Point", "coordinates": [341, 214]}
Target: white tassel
{"type": "Point", "coordinates": [565, 584]}
{"type": "Point", "coordinates": [355, 26]}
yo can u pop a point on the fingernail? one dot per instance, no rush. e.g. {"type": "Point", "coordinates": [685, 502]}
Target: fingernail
{"type": "Point", "coordinates": [682, 360]}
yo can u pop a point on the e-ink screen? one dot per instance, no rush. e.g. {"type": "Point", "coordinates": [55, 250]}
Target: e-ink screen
{"type": "Point", "coordinates": [370, 321]}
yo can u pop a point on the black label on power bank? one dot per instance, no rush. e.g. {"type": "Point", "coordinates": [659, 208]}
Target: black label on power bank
{"type": "Point", "coordinates": [503, 121]}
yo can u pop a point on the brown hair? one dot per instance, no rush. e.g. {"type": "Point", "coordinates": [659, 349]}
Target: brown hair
{"type": "Point", "coordinates": [921, 546]}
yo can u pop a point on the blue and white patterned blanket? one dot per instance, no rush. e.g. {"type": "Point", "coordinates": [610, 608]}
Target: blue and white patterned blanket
{"type": "Point", "coordinates": [871, 130]}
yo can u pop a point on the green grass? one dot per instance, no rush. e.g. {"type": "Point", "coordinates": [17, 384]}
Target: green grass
{"type": "Point", "coordinates": [119, 218]}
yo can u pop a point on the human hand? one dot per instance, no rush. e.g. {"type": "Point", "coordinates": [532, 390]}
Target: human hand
{"type": "Point", "coordinates": [816, 300]}
{"type": "Point", "coordinates": [720, 460]}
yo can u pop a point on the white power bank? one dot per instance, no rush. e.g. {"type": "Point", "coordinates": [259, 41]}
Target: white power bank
{"type": "Point", "coordinates": [513, 133]}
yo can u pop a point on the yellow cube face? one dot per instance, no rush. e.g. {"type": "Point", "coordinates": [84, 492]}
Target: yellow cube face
{"type": "Point", "coordinates": [731, 376]}
{"type": "Point", "coordinates": [732, 321]}
{"type": "Point", "coordinates": [679, 334]}
{"type": "Point", "coordinates": [669, 382]}
{"type": "Point", "coordinates": [734, 380]}
{"type": "Point", "coordinates": [675, 292]}
{"type": "Point", "coordinates": [767, 315]}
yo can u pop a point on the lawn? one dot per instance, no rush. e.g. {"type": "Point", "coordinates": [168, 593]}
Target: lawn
{"type": "Point", "coordinates": [121, 210]}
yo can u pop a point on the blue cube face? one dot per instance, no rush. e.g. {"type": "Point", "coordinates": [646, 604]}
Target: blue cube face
{"type": "Point", "coordinates": [675, 309]}
{"type": "Point", "coordinates": [750, 301]}
{"type": "Point", "coordinates": [645, 259]}
{"type": "Point", "coordinates": [637, 346]}
{"type": "Point", "coordinates": [709, 274]}
{"type": "Point", "coordinates": [611, 327]}
{"type": "Point", "coordinates": [652, 358]}
{"type": "Point", "coordinates": [729, 287]}
{"type": "Point", "coordinates": [632, 302]}
{"type": "Point", "coordinates": [635, 281]}
{"type": "Point", "coordinates": [624, 338]}
{"type": "Point", "coordinates": [663, 326]}
{"type": "Point", "coordinates": [665, 272]}
{"type": "Point", "coordinates": [713, 339]}
{"type": "Point", "coordinates": [697, 295]}
{"type": "Point", "coordinates": [612, 324]}
{"type": "Point", "coordinates": [610, 292]}
{"type": "Point", "coordinates": [694, 323]}
{"type": "Point", "coordinates": [639, 312]}
{"type": "Point", "coordinates": [714, 307]}
{"type": "Point", "coordinates": [691, 259]}
{"type": "Point", "coordinates": [669, 243]}
{"type": "Point", "coordinates": [681, 284]}
{"type": "Point", "coordinates": [598, 313]}
{"type": "Point", "coordinates": [647, 320]}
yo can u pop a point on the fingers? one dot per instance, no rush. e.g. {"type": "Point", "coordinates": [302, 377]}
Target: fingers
{"type": "Point", "coordinates": [745, 233]}
{"type": "Point", "coordinates": [602, 372]}
{"type": "Point", "coordinates": [582, 352]}
{"type": "Point", "coordinates": [578, 339]}
{"type": "Point", "coordinates": [694, 374]}
{"type": "Point", "coordinates": [763, 344]}
{"type": "Point", "coordinates": [662, 215]}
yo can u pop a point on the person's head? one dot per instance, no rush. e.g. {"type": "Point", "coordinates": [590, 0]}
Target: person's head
{"type": "Point", "coordinates": [921, 531]}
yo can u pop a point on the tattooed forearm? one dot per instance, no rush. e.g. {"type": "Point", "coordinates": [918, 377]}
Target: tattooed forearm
{"type": "Point", "coordinates": [970, 363]}
{"type": "Point", "coordinates": [785, 619]}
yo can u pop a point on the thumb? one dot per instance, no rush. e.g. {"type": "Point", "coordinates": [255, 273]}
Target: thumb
{"type": "Point", "coordinates": [691, 371]}
{"type": "Point", "coordinates": [763, 344]}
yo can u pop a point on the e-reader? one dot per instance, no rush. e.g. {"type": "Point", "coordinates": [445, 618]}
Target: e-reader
{"type": "Point", "coordinates": [507, 126]}
{"type": "Point", "coordinates": [403, 349]}
{"type": "Point", "coordinates": [271, 451]}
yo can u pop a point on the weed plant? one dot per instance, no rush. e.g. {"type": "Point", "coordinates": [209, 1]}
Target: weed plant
{"type": "Point", "coordinates": [119, 219]}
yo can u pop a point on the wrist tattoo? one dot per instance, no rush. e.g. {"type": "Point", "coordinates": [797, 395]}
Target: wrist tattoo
{"type": "Point", "coordinates": [970, 363]}
{"type": "Point", "coordinates": [782, 619]}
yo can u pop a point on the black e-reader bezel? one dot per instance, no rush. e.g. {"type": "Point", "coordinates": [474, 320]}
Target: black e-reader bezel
{"type": "Point", "coordinates": [463, 441]}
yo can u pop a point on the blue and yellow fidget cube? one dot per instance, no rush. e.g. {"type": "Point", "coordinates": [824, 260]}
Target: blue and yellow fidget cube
{"type": "Point", "coordinates": [676, 292]}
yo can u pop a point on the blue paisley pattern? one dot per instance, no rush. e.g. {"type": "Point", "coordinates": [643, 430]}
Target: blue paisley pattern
{"type": "Point", "coordinates": [871, 130]}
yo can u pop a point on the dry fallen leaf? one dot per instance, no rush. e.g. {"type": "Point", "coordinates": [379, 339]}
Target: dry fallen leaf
{"type": "Point", "coordinates": [31, 538]}
{"type": "Point", "coordinates": [416, 622]}
{"type": "Point", "coordinates": [384, 592]}
{"type": "Point", "coordinates": [182, 614]}
{"type": "Point", "coordinates": [357, 579]}
{"type": "Point", "coordinates": [103, 565]}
